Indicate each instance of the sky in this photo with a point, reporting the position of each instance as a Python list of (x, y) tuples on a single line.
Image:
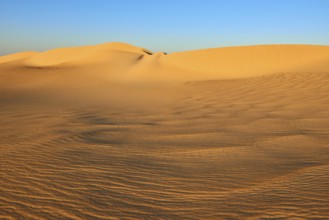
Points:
[(168, 25)]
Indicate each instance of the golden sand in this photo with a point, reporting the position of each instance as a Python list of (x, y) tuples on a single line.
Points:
[(113, 131)]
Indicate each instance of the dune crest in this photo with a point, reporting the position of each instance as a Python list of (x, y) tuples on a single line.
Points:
[(250, 61), (128, 62), (78, 56), (17, 56)]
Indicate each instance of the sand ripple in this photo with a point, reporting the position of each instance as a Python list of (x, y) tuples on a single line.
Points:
[(234, 149)]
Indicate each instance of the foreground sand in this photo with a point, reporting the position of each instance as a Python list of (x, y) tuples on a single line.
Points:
[(250, 148)]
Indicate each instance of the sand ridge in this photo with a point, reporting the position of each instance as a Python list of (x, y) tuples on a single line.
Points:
[(124, 62), (16, 56), (80, 55)]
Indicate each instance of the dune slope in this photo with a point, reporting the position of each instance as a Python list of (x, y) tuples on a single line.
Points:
[(81, 55), (16, 56), (250, 61)]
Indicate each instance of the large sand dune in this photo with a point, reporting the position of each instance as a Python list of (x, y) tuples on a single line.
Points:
[(124, 62), (116, 131)]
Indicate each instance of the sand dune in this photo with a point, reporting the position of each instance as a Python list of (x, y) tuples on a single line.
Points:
[(82, 55), (250, 61), (16, 56), (227, 133), (119, 61)]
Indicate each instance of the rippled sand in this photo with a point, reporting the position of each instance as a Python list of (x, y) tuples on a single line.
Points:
[(253, 148)]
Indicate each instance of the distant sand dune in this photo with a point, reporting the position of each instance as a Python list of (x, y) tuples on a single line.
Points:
[(16, 56), (81, 55), (119, 61), (114, 131), (250, 61)]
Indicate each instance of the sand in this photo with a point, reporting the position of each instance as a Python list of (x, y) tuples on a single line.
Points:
[(114, 131)]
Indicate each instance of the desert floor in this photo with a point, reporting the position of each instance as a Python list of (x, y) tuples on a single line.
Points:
[(252, 148)]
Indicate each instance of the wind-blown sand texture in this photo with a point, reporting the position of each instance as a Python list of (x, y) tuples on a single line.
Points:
[(113, 131)]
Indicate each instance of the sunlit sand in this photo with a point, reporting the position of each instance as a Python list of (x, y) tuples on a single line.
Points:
[(117, 131)]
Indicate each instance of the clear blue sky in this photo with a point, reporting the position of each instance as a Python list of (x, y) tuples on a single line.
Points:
[(161, 25)]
